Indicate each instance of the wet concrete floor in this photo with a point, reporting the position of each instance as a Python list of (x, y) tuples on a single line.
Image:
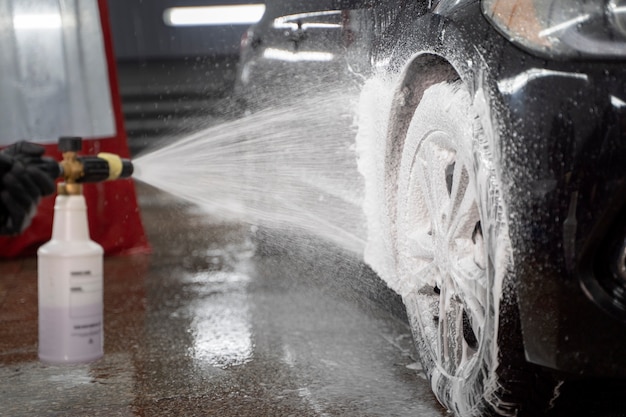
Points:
[(218, 322)]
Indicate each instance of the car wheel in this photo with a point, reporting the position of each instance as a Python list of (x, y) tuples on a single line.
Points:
[(453, 253)]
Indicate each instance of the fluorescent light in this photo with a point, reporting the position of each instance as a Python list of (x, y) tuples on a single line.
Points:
[(282, 55), (37, 21), (240, 14), (308, 21), (565, 25), (618, 102), (282, 24), (514, 84)]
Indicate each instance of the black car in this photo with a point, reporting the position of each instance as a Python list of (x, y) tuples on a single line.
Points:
[(304, 43), (495, 167)]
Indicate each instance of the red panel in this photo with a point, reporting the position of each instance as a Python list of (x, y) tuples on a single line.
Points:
[(114, 219)]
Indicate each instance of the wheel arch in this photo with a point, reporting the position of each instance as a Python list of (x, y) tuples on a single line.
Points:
[(422, 71)]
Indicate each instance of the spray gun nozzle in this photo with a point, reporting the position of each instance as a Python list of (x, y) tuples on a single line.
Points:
[(81, 169)]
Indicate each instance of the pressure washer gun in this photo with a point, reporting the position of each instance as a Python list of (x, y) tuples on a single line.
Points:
[(23, 183), (76, 170)]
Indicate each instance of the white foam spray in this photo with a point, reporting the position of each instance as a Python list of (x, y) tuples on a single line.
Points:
[(290, 167)]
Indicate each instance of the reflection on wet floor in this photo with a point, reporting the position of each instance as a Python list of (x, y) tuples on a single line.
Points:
[(206, 326), (220, 327)]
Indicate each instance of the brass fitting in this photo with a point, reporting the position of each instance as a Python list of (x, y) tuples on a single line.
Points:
[(64, 188), (72, 170)]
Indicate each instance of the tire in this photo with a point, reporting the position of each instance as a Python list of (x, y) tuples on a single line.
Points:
[(452, 252)]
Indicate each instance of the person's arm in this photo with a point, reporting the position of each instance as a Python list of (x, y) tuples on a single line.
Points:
[(23, 181)]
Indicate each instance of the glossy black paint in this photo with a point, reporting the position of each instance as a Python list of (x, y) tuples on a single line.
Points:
[(561, 152), (269, 67)]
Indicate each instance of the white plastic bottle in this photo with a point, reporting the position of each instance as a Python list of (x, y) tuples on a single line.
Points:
[(70, 287)]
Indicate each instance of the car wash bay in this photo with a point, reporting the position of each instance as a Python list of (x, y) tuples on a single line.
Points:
[(218, 321)]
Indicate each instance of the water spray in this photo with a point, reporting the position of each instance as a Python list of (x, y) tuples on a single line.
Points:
[(70, 265)]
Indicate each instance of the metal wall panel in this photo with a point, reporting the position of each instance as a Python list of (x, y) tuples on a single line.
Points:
[(139, 31), (54, 71)]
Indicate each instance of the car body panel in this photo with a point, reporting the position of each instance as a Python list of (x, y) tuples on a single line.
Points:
[(303, 43), (560, 156)]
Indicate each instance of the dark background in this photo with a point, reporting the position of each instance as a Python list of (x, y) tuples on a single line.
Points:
[(173, 80)]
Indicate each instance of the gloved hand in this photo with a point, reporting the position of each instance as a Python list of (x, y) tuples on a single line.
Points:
[(24, 179)]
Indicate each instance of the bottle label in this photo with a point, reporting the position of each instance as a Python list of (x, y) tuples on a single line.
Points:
[(85, 292), (70, 311), (66, 339)]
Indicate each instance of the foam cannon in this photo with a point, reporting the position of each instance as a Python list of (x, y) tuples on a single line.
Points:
[(75, 169), (70, 265)]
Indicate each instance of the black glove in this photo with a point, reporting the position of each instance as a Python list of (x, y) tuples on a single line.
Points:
[(25, 177)]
